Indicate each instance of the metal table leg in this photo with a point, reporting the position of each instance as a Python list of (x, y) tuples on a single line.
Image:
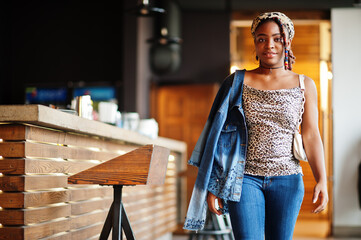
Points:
[(117, 219)]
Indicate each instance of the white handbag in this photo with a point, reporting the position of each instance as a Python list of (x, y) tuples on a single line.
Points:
[(298, 150)]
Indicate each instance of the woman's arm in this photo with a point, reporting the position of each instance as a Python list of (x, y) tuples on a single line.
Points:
[(313, 145)]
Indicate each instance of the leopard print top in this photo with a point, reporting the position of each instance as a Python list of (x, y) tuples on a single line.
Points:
[(271, 118)]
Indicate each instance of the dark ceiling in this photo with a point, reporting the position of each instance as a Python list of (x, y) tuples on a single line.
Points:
[(264, 5)]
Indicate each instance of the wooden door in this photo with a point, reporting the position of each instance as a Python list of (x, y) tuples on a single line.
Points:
[(181, 112)]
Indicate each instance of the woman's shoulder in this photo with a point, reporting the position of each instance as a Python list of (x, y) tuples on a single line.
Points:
[(309, 82), (310, 87)]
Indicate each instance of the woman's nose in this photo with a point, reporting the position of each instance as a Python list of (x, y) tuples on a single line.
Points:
[(270, 43)]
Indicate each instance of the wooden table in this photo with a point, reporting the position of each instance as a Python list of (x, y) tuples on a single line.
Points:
[(41, 147)]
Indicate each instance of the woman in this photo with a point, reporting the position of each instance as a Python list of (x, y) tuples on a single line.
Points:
[(244, 153)]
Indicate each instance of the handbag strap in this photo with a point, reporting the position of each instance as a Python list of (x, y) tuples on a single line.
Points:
[(301, 78)]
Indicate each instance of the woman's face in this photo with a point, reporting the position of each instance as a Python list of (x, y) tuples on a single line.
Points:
[(269, 44)]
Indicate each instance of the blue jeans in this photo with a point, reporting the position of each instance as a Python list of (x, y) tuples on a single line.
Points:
[(268, 208)]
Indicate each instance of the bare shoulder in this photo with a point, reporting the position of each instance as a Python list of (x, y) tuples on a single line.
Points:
[(310, 85), (309, 81)]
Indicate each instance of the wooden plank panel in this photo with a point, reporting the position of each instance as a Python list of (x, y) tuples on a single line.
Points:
[(46, 213), (46, 229), (142, 192), (36, 231), (150, 203), (23, 166), (12, 217), (32, 199), (68, 138), (82, 207), (87, 232), (12, 200), (12, 166), (45, 135), (156, 227), (78, 194), (150, 209), (12, 132), (59, 236), (54, 151), (12, 183), (33, 215), (46, 166), (40, 150), (88, 219), (32, 182), (12, 233), (42, 198), (12, 149)]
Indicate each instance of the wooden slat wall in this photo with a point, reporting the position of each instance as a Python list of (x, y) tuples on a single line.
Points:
[(37, 202)]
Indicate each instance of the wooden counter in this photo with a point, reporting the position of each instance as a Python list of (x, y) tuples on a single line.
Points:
[(41, 147)]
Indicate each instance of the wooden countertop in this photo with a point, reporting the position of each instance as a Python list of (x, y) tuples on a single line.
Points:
[(47, 117)]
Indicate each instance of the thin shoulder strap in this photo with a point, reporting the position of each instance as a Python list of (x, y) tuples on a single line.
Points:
[(301, 77), (302, 86)]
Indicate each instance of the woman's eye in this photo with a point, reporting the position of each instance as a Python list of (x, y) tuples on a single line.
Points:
[(261, 40), (278, 40)]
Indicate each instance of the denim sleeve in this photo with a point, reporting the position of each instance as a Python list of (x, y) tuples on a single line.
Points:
[(199, 148)]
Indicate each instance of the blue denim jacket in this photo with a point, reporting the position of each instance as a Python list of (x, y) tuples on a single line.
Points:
[(220, 152)]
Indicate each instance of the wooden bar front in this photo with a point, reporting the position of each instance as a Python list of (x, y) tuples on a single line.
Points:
[(40, 147)]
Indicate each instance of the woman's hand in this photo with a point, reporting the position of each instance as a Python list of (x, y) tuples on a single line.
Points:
[(211, 200), (320, 193)]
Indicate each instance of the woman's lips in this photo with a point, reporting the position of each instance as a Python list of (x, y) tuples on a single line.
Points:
[(269, 54)]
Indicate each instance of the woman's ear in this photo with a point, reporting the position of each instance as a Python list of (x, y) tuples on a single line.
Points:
[(288, 44)]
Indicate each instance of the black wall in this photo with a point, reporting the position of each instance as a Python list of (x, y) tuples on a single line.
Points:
[(57, 43), (205, 50), (5, 53), (61, 42)]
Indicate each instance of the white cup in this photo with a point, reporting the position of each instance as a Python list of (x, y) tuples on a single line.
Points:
[(148, 127), (130, 120), (108, 112)]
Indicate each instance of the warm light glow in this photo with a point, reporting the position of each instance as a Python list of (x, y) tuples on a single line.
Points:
[(329, 75), (171, 165), (324, 77), (52, 189), (234, 68), (94, 149), (1, 157), (171, 172), (121, 152), (1, 140), (171, 158)]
